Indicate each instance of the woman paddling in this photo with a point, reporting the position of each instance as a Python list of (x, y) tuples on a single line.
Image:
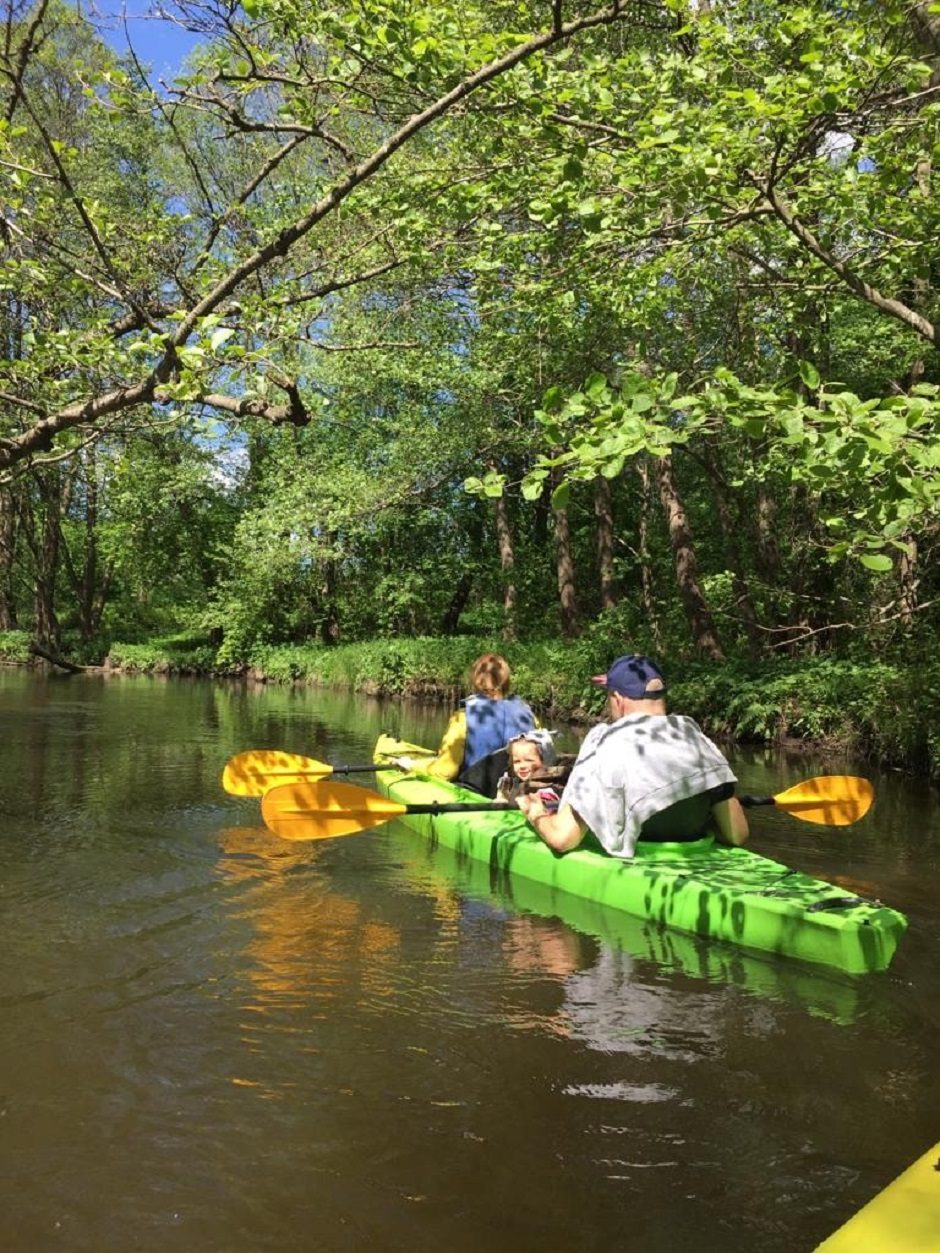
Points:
[(473, 748)]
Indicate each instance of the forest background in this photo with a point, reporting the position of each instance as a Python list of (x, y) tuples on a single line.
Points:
[(388, 332)]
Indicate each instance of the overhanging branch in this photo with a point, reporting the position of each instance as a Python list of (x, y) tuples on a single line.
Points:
[(886, 304)]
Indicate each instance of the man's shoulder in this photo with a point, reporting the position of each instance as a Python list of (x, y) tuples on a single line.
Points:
[(594, 736), (640, 728), (635, 726)]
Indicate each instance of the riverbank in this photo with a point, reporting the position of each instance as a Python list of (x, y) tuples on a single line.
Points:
[(885, 712)]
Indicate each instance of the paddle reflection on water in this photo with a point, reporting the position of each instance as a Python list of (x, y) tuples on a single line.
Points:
[(306, 940)]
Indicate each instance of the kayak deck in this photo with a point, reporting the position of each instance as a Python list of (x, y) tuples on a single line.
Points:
[(904, 1218), (701, 887)]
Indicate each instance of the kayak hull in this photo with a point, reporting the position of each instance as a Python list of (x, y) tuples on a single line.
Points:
[(706, 889)]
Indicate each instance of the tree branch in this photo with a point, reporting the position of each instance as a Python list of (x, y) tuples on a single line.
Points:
[(865, 291), (252, 186), (365, 347), (26, 48), (143, 391)]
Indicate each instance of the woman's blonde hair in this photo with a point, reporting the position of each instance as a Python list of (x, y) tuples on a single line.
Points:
[(489, 675)]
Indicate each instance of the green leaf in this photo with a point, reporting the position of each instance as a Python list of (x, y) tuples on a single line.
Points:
[(561, 495), (810, 375), (879, 562), (595, 386), (220, 336)]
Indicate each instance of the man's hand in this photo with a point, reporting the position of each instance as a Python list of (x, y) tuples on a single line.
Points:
[(561, 831), (531, 805)]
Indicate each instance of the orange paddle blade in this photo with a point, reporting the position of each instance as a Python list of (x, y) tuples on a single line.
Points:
[(832, 800), (322, 811), (252, 773)]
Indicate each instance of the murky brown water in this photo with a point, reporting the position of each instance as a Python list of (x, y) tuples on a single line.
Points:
[(211, 1040)]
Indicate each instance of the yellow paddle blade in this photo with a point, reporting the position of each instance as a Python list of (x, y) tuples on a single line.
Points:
[(322, 811), (253, 772), (832, 800)]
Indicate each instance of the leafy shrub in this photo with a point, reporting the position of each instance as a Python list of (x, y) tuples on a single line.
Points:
[(185, 654), (874, 709), (14, 646)]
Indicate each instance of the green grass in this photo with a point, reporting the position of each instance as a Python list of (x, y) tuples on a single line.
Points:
[(14, 646), (174, 654), (887, 712)]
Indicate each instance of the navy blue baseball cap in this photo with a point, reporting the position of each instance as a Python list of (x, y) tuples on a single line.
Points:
[(630, 676)]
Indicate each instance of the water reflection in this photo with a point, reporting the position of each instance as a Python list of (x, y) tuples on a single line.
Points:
[(216, 1040), (556, 933), (306, 943)]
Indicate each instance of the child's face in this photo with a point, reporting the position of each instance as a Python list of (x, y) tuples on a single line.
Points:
[(526, 759)]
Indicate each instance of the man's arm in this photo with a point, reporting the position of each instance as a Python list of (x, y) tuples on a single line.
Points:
[(731, 821), (561, 831)]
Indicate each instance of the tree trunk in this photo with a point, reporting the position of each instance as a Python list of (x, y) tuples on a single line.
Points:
[(89, 587), (47, 624), (329, 623), (811, 583), (908, 579), (646, 569), (7, 554), (37, 650), (704, 634), (604, 512), (507, 561), (54, 492), (768, 554), (95, 585), (458, 603), (570, 618), (729, 534)]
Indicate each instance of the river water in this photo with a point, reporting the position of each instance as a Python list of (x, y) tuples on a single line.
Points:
[(213, 1040)]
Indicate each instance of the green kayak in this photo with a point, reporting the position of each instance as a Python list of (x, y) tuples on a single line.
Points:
[(701, 887)]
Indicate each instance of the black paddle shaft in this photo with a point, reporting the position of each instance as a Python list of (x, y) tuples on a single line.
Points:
[(469, 807), (752, 802), (749, 802)]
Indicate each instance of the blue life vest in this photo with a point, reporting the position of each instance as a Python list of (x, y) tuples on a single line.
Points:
[(491, 724)]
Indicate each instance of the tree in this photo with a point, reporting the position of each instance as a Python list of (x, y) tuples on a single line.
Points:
[(180, 317)]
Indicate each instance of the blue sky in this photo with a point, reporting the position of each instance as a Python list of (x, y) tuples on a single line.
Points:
[(158, 43)]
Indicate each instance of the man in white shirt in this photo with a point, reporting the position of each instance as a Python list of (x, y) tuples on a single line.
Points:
[(645, 774)]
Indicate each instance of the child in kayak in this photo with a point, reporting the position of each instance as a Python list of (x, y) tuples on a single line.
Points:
[(529, 753)]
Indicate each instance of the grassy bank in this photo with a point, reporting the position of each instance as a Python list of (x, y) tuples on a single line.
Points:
[(886, 712), (14, 647), (889, 713)]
